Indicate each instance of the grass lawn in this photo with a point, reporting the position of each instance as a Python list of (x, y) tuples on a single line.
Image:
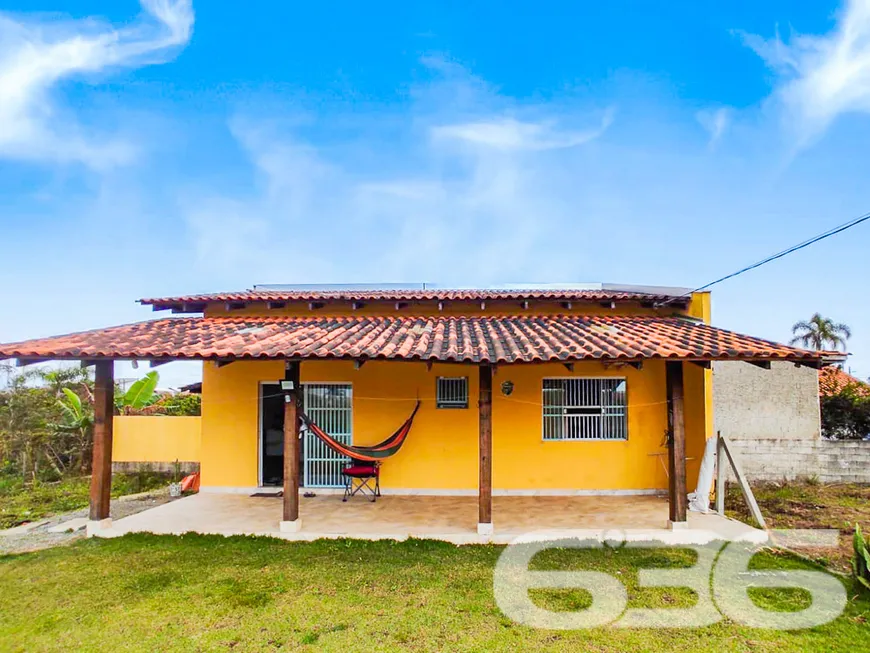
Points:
[(20, 503), (144, 592), (803, 504)]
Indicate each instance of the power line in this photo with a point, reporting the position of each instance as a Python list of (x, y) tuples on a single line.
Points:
[(806, 243)]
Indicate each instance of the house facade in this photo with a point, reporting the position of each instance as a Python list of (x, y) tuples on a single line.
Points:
[(533, 451), (597, 390)]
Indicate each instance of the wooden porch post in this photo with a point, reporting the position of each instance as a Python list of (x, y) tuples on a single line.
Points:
[(484, 500), (101, 468), (677, 498), (290, 522)]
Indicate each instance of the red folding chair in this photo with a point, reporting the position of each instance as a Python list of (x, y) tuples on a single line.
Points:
[(362, 477)]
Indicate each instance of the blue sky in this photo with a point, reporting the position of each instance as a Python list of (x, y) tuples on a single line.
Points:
[(163, 147)]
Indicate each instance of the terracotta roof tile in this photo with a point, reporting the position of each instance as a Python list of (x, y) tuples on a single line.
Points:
[(411, 295), (443, 338), (832, 380)]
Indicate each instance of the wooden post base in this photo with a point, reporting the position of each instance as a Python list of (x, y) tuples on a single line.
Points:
[(98, 526), (290, 526)]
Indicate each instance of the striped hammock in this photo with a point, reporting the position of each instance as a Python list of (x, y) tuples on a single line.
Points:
[(374, 453)]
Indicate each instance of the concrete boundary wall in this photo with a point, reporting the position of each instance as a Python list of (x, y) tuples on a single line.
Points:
[(831, 461), (156, 439), (771, 417)]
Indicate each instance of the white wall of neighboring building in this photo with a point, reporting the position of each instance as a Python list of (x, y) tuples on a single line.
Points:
[(772, 419), (753, 403)]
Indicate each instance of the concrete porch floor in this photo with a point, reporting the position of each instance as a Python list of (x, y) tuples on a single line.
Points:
[(449, 518)]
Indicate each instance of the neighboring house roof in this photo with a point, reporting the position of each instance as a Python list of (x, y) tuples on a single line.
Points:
[(833, 380), (493, 339), (196, 303)]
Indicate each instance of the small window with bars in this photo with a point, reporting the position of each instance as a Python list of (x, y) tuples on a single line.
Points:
[(585, 409), (451, 392)]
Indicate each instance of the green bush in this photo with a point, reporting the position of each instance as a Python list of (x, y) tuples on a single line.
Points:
[(861, 558), (845, 416), (180, 405)]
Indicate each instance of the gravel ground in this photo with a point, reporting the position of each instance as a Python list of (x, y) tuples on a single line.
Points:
[(40, 538)]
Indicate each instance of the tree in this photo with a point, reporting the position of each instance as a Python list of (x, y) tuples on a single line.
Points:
[(26, 413), (65, 377), (820, 333), (845, 415)]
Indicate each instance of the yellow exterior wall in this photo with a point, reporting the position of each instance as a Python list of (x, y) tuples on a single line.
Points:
[(522, 460), (441, 451), (230, 421), (156, 439)]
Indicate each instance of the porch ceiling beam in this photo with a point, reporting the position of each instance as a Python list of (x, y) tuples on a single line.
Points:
[(765, 365), (677, 498), (638, 365), (23, 362), (189, 308)]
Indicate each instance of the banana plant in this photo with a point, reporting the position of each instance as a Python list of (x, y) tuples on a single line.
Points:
[(139, 395), (78, 423), (77, 416), (861, 559)]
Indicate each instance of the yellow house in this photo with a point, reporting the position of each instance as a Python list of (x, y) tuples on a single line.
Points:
[(565, 391)]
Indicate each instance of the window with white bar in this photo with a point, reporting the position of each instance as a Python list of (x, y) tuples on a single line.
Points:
[(451, 392), (585, 409)]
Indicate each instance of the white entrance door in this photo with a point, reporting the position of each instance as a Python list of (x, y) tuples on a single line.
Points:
[(330, 406)]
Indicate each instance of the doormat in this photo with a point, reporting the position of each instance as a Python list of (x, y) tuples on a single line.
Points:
[(268, 494)]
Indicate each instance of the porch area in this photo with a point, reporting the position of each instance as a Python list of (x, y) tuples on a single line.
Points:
[(448, 518)]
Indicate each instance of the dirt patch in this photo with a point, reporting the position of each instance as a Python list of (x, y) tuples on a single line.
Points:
[(41, 538), (802, 504)]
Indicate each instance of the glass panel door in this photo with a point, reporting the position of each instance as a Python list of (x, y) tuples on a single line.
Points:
[(330, 405)]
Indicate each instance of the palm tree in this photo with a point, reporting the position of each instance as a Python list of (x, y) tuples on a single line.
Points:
[(820, 332)]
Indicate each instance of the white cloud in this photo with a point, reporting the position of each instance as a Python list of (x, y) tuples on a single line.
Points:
[(36, 55), (715, 122), (821, 77), (511, 134)]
